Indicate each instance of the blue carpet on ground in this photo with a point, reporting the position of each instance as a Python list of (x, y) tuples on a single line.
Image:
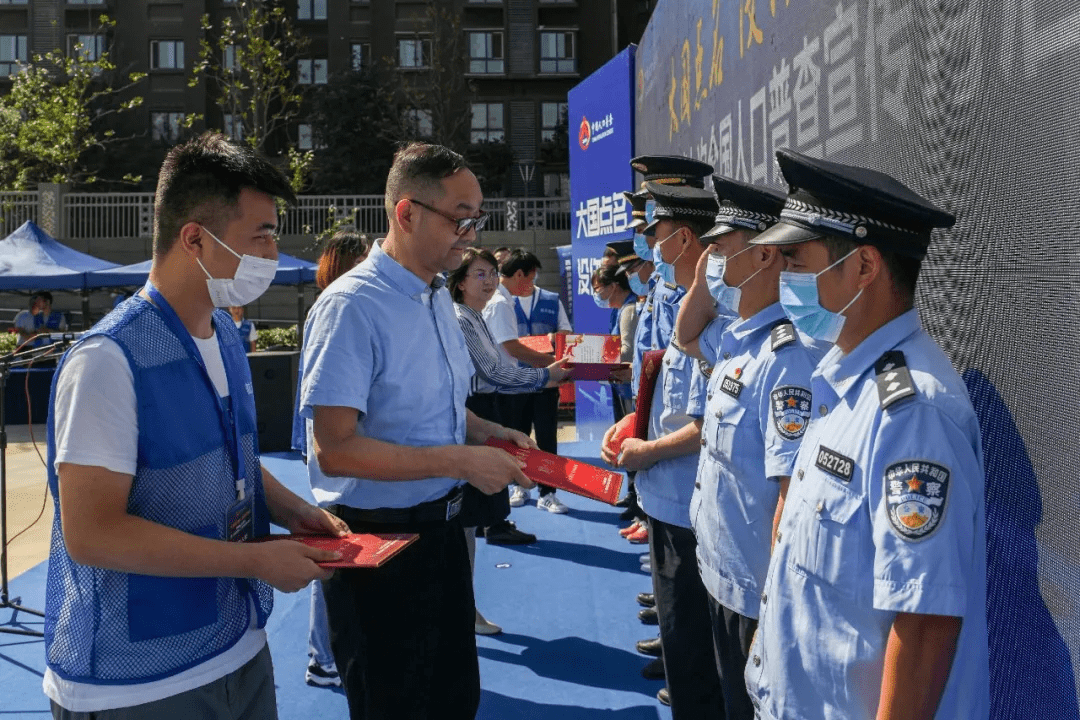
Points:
[(566, 606)]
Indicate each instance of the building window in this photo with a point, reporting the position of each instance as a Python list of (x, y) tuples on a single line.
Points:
[(557, 52), (487, 123), (228, 61), (306, 137), (486, 52), (12, 52), (86, 47), (551, 115), (13, 2), (311, 10), (312, 71), (414, 53), (85, 2), (166, 126), (232, 127), (418, 121), (361, 52), (167, 54)]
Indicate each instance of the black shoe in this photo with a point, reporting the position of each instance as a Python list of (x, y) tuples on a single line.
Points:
[(646, 616), (479, 531), (646, 600), (506, 533), (633, 510), (625, 502), (664, 696), (654, 670), (649, 647)]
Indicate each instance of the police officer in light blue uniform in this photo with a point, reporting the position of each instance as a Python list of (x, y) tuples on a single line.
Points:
[(757, 408), (875, 602), (666, 463)]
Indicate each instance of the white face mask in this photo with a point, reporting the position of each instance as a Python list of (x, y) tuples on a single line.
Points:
[(252, 277)]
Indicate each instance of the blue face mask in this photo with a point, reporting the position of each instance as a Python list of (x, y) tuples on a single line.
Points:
[(802, 304), (636, 285), (641, 247), (666, 271), (727, 297), (600, 303)]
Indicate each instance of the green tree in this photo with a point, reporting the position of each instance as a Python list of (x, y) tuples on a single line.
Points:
[(250, 62), (58, 111)]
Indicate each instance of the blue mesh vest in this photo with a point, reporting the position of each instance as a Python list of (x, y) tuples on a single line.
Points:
[(544, 318), (107, 627)]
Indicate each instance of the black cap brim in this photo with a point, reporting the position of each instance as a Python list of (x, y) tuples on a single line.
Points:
[(650, 229), (717, 230), (783, 233)]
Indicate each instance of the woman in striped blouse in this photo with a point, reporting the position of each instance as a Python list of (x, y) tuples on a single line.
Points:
[(471, 285)]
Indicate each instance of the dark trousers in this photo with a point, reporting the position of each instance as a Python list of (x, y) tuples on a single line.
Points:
[(682, 606), (537, 411), (732, 635), (402, 635)]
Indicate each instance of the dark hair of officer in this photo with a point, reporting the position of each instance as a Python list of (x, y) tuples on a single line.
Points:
[(457, 276), (200, 181), (522, 260), (696, 226), (417, 170), (339, 254), (609, 275), (903, 270)]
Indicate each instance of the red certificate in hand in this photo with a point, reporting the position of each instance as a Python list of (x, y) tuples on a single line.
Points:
[(590, 357), (563, 473), (623, 429), (358, 550), (539, 343)]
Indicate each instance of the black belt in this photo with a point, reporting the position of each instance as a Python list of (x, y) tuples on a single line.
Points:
[(442, 510)]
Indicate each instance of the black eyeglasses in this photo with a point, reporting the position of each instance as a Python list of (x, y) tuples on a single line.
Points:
[(464, 225)]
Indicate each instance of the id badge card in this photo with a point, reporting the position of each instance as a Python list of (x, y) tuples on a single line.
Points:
[(239, 521)]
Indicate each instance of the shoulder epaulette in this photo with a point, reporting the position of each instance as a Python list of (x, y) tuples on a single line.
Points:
[(893, 379), (669, 286), (783, 333)]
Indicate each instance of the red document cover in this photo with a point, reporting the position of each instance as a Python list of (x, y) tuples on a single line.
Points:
[(651, 363), (358, 550), (539, 343), (591, 357), (563, 473), (623, 429)]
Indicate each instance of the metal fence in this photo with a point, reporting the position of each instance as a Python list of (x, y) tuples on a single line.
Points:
[(16, 208), (108, 215)]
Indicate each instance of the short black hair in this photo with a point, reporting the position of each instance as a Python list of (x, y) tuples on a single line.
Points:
[(698, 226), (201, 180), (457, 275), (498, 250), (520, 259), (903, 269), (418, 169), (610, 275)]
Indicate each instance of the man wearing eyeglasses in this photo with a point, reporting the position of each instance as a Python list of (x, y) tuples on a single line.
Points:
[(386, 374)]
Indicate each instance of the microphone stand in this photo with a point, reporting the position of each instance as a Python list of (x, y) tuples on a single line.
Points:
[(25, 358)]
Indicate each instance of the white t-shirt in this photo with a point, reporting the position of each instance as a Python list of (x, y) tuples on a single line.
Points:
[(97, 424), (501, 318)]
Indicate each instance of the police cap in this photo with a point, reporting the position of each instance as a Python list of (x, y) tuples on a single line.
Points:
[(679, 203), (637, 202), (671, 170), (862, 205), (743, 206)]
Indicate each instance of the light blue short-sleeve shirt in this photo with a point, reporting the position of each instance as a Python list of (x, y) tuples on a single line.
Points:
[(664, 489), (758, 407), (382, 341), (884, 514)]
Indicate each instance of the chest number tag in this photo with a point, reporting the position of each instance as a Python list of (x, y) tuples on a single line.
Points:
[(835, 464), (731, 386)]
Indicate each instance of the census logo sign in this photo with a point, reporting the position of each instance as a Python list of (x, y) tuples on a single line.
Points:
[(594, 132), (584, 134)]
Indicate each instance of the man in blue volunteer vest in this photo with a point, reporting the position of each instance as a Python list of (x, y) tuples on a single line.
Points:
[(518, 309), (386, 374), (666, 463), (874, 605), (756, 411), (156, 608), (39, 319)]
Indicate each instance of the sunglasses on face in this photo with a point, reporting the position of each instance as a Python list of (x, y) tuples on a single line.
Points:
[(464, 225), (485, 275)]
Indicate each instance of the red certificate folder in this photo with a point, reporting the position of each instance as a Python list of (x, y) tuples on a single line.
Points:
[(623, 429), (539, 343), (651, 362), (590, 357), (358, 550), (566, 474)]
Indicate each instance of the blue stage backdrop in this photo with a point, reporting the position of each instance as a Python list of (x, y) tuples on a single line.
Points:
[(601, 116), (973, 103)]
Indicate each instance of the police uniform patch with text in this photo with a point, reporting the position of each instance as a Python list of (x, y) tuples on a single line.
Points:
[(915, 495), (731, 386), (791, 410), (835, 464)]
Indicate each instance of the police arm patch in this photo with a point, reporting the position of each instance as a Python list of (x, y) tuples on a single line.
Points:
[(916, 492), (790, 410)]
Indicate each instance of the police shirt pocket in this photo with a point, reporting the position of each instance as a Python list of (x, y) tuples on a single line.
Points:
[(724, 429), (166, 606), (676, 380), (830, 519)]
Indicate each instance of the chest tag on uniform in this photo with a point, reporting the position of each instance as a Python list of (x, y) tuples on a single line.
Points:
[(705, 368), (783, 334), (893, 379), (915, 495), (835, 464), (790, 411), (731, 386)]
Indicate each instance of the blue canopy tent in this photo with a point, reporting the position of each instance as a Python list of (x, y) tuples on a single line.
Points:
[(30, 259)]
